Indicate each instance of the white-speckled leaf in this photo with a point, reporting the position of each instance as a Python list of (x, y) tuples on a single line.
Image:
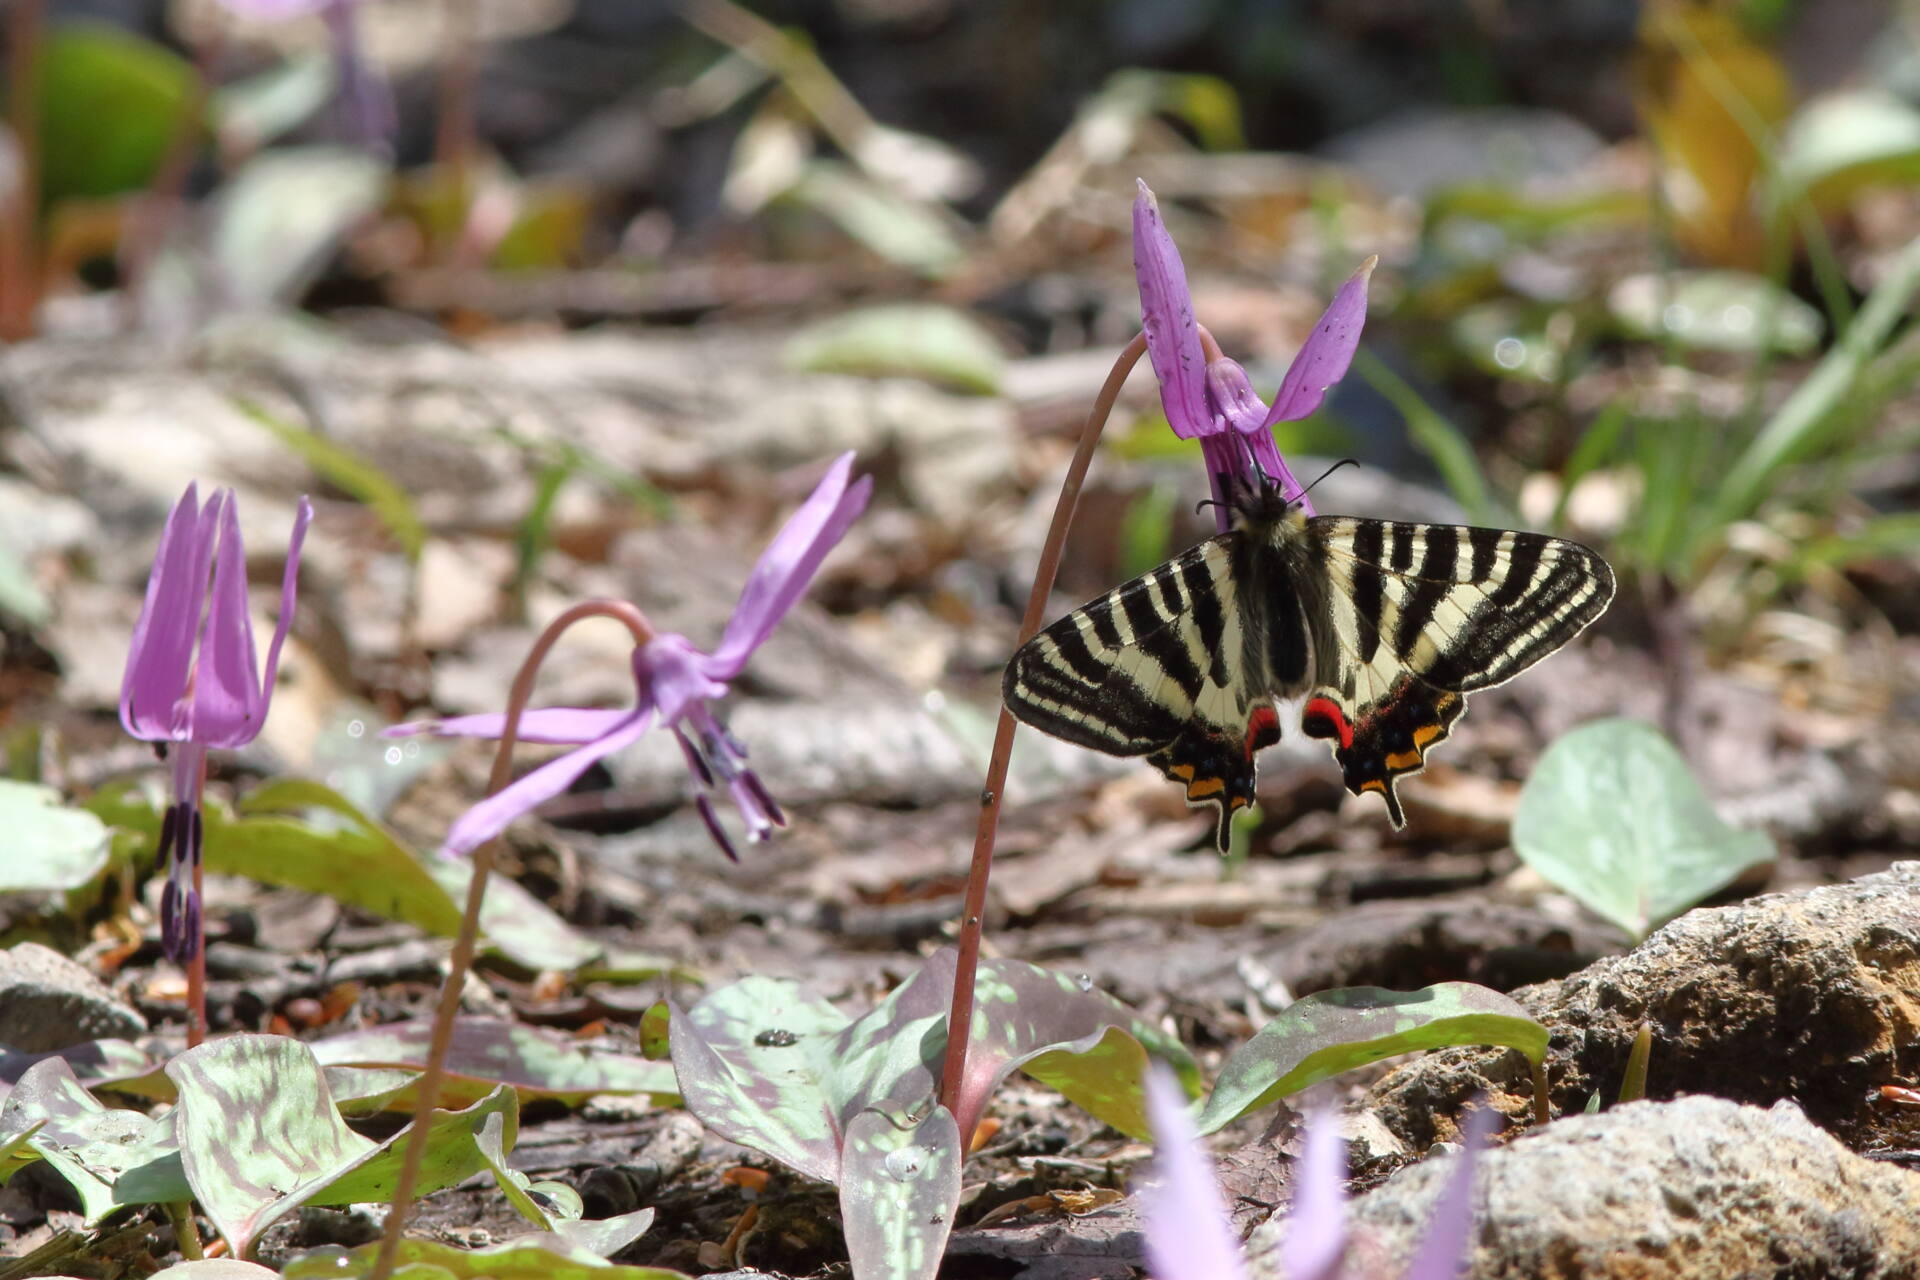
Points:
[(110, 1157), (899, 1186)]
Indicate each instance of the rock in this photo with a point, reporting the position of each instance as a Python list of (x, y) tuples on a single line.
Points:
[(48, 1002), (1695, 1187), (1811, 996)]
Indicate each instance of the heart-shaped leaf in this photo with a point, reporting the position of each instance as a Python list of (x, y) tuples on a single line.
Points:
[(49, 846), (1334, 1031), (537, 1063), (1613, 816)]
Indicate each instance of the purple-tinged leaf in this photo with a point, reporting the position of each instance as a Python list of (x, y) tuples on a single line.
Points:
[(899, 1186), (95, 1063), (754, 1061), (539, 1255), (1335, 1031), (93, 1147), (535, 1062)]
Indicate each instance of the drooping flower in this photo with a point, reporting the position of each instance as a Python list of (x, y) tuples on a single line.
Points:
[(676, 683), (1213, 401), (193, 681), (1189, 1235)]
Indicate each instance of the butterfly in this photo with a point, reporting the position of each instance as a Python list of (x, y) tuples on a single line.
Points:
[(1383, 626)]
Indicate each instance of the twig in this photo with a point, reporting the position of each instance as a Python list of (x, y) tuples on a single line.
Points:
[(960, 1015), (461, 962), (19, 270)]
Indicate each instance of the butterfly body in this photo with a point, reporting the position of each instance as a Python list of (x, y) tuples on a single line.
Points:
[(1381, 626)]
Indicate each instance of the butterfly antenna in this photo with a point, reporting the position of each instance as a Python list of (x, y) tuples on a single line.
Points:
[(1344, 462)]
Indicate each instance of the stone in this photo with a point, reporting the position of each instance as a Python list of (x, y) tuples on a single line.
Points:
[(1697, 1187), (48, 1002)]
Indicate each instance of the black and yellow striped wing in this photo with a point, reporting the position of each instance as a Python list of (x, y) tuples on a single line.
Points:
[(1415, 616), (1159, 667)]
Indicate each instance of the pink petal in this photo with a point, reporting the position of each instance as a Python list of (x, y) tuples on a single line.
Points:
[(1231, 395), (1323, 360), (161, 652), (227, 706), (676, 675), (1189, 1236), (1443, 1253), (565, 726), (787, 566), (1166, 315), (289, 588), (1316, 1239), (490, 817)]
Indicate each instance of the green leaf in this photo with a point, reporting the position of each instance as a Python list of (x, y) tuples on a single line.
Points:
[(259, 1136), (537, 1063), (936, 343), (1613, 816), (252, 112), (342, 467), (555, 1206), (1436, 437), (1715, 311), (538, 1256), (1844, 141), (899, 1184), (1508, 341), (110, 106), (20, 595), (281, 217), (905, 232), (1327, 1033), (514, 922), (49, 846)]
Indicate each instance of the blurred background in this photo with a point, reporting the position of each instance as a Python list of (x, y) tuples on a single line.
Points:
[(545, 298)]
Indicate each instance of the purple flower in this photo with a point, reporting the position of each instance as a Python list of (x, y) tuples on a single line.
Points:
[(675, 681), (193, 681), (1190, 1237), (1214, 402)]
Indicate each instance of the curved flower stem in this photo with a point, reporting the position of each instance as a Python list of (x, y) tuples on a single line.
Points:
[(197, 966), (461, 962), (960, 1016)]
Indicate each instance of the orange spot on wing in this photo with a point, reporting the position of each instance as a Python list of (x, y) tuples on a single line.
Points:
[(1205, 787), (1425, 734), (1402, 760), (1184, 772)]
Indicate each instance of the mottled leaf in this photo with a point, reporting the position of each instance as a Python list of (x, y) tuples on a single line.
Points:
[(93, 1147), (1613, 816), (257, 1128), (95, 1064), (899, 1186), (535, 1062), (260, 1136), (514, 923), (555, 1206), (537, 1256), (16, 1152), (1330, 1032), (279, 219), (49, 846), (753, 1061)]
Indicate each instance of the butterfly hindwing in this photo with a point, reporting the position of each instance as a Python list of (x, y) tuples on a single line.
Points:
[(1158, 667), (1418, 615)]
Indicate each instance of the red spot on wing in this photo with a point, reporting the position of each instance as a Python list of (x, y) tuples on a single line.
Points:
[(1263, 728), (1322, 718)]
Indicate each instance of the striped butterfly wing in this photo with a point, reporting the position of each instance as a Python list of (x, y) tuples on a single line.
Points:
[(1159, 667), (1418, 615)]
